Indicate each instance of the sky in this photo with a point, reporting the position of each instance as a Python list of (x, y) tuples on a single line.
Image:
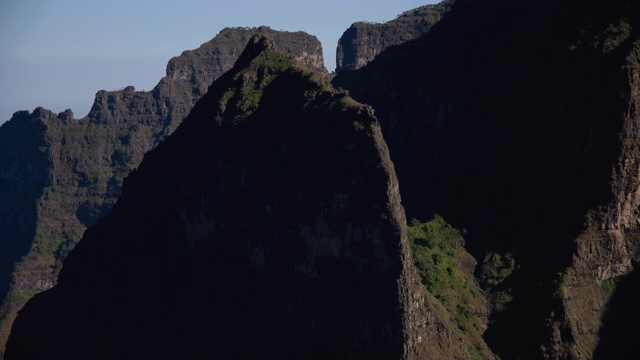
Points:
[(58, 53)]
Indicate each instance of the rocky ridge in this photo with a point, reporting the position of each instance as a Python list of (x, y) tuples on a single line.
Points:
[(59, 175), (361, 42), (273, 212)]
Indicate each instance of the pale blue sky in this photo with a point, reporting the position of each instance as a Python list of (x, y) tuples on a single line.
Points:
[(59, 53)]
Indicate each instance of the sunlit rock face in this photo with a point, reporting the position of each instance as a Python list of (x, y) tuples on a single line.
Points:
[(362, 41)]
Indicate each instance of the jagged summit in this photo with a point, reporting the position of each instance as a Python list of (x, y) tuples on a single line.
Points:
[(363, 41), (256, 45), (223, 51)]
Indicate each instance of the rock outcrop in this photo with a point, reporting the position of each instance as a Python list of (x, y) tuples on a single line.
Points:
[(361, 42), (518, 122), (599, 314), (267, 225), (59, 175)]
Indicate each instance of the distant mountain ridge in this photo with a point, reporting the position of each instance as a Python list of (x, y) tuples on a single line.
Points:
[(362, 41), (59, 175)]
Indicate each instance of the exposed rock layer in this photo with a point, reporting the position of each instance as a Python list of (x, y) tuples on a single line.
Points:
[(599, 313), (59, 175), (518, 122), (268, 225), (361, 42)]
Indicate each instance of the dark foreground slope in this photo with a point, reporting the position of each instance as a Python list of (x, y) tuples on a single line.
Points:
[(268, 225), (59, 175), (518, 121), (362, 41)]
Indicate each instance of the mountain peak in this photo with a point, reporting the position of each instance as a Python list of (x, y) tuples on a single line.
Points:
[(256, 45)]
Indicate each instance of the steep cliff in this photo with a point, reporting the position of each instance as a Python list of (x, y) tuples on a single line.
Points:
[(268, 225), (518, 122), (361, 42), (59, 175), (600, 290)]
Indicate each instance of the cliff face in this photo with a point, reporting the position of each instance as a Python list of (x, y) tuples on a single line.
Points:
[(601, 289), (268, 225), (23, 176), (518, 122), (59, 175), (189, 75), (361, 42)]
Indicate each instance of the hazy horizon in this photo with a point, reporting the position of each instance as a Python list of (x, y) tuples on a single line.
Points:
[(58, 53)]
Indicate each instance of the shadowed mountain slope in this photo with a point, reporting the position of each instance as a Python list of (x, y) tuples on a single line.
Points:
[(518, 122), (59, 175), (268, 225)]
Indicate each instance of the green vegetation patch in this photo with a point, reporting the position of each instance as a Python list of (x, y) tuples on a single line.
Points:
[(243, 96), (437, 251), (496, 268), (611, 284), (615, 35)]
